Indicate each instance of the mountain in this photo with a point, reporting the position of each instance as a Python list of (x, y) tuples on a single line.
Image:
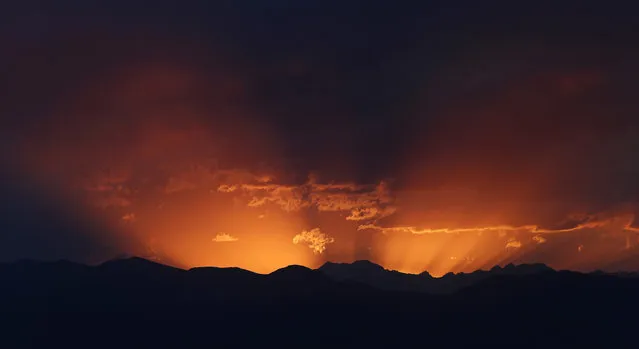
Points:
[(374, 275), (134, 303)]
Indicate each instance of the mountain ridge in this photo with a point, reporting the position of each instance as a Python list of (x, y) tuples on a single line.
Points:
[(362, 272), (161, 306)]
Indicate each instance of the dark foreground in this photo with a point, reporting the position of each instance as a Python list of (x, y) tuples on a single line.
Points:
[(135, 303)]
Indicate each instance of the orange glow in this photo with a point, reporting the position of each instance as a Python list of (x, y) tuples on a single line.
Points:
[(196, 230), (443, 250), (182, 183)]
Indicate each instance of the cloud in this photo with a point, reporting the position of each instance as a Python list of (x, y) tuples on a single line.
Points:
[(111, 201), (108, 189), (423, 231), (363, 202), (224, 237), (315, 239), (37, 224), (177, 184), (110, 180), (513, 244), (288, 198), (209, 177), (632, 225), (264, 178), (129, 217), (225, 188), (590, 222), (121, 189), (369, 213), (539, 239)]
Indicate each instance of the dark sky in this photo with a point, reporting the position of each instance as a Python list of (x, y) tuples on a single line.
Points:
[(518, 102)]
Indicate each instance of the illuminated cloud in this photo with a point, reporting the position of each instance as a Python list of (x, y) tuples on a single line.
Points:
[(366, 203), (224, 188), (422, 231), (288, 198), (315, 239), (263, 178), (210, 177), (363, 202), (363, 214), (588, 223), (129, 217), (539, 239), (224, 237), (513, 244), (580, 248), (631, 226)]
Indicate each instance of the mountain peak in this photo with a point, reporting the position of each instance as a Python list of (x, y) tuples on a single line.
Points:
[(134, 264), (512, 268), (292, 269), (367, 264), (298, 276), (425, 273), (129, 260), (361, 264)]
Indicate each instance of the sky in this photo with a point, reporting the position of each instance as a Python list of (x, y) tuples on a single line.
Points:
[(445, 136)]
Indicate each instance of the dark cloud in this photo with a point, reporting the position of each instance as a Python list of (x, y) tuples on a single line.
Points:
[(41, 224)]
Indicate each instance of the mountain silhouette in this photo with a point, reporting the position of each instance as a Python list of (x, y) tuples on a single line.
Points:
[(133, 302), (371, 274)]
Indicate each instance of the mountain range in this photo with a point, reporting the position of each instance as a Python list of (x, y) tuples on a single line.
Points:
[(133, 302)]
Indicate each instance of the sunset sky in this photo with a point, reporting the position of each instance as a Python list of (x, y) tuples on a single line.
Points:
[(444, 136)]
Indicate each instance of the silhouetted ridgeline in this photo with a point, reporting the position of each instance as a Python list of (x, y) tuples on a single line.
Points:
[(137, 303)]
